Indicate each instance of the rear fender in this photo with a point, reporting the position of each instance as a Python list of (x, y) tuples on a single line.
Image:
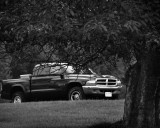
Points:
[(16, 88)]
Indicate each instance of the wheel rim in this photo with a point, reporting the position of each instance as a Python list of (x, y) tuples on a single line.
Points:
[(17, 99), (75, 95)]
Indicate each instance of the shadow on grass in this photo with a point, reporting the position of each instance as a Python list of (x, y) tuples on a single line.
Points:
[(118, 124)]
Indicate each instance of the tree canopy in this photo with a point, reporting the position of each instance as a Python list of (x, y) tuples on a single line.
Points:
[(63, 30)]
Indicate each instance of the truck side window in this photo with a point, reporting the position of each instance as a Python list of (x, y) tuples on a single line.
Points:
[(41, 70), (57, 70)]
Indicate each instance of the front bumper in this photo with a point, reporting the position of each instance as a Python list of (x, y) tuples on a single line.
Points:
[(97, 90)]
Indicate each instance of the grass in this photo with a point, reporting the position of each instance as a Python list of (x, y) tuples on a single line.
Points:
[(61, 114)]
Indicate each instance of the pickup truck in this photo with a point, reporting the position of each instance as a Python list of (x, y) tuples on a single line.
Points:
[(56, 80)]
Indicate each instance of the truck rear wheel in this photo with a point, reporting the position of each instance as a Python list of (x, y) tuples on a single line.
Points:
[(18, 97), (75, 93)]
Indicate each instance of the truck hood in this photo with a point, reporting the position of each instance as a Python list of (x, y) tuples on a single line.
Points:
[(80, 76)]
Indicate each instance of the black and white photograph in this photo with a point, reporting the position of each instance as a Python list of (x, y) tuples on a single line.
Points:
[(79, 63)]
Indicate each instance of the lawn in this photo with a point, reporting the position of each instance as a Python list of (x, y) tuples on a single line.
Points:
[(61, 114)]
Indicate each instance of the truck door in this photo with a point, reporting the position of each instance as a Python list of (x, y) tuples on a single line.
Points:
[(41, 87), (44, 80)]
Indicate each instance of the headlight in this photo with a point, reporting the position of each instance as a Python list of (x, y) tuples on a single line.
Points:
[(118, 82), (91, 83)]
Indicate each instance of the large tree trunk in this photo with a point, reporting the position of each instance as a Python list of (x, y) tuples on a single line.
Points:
[(142, 104)]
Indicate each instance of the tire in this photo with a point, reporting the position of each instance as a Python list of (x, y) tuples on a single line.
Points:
[(75, 93), (18, 97)]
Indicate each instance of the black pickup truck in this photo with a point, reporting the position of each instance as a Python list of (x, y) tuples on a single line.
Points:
[(50, 81)]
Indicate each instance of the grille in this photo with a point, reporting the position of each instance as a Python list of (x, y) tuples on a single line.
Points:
[(111, 80), (106, 81)]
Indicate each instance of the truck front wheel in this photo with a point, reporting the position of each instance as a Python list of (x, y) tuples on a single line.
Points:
[(76, 93), (18, 97)]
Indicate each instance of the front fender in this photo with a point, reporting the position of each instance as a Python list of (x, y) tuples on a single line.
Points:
[(20, 86), (79, 82)]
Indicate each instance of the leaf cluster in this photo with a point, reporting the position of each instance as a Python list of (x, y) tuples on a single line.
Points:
[(78, 31)]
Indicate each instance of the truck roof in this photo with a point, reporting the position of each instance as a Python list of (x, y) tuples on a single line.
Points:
[(50, 64)]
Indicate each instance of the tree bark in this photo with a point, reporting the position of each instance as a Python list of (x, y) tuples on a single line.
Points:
[(142, 103)]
